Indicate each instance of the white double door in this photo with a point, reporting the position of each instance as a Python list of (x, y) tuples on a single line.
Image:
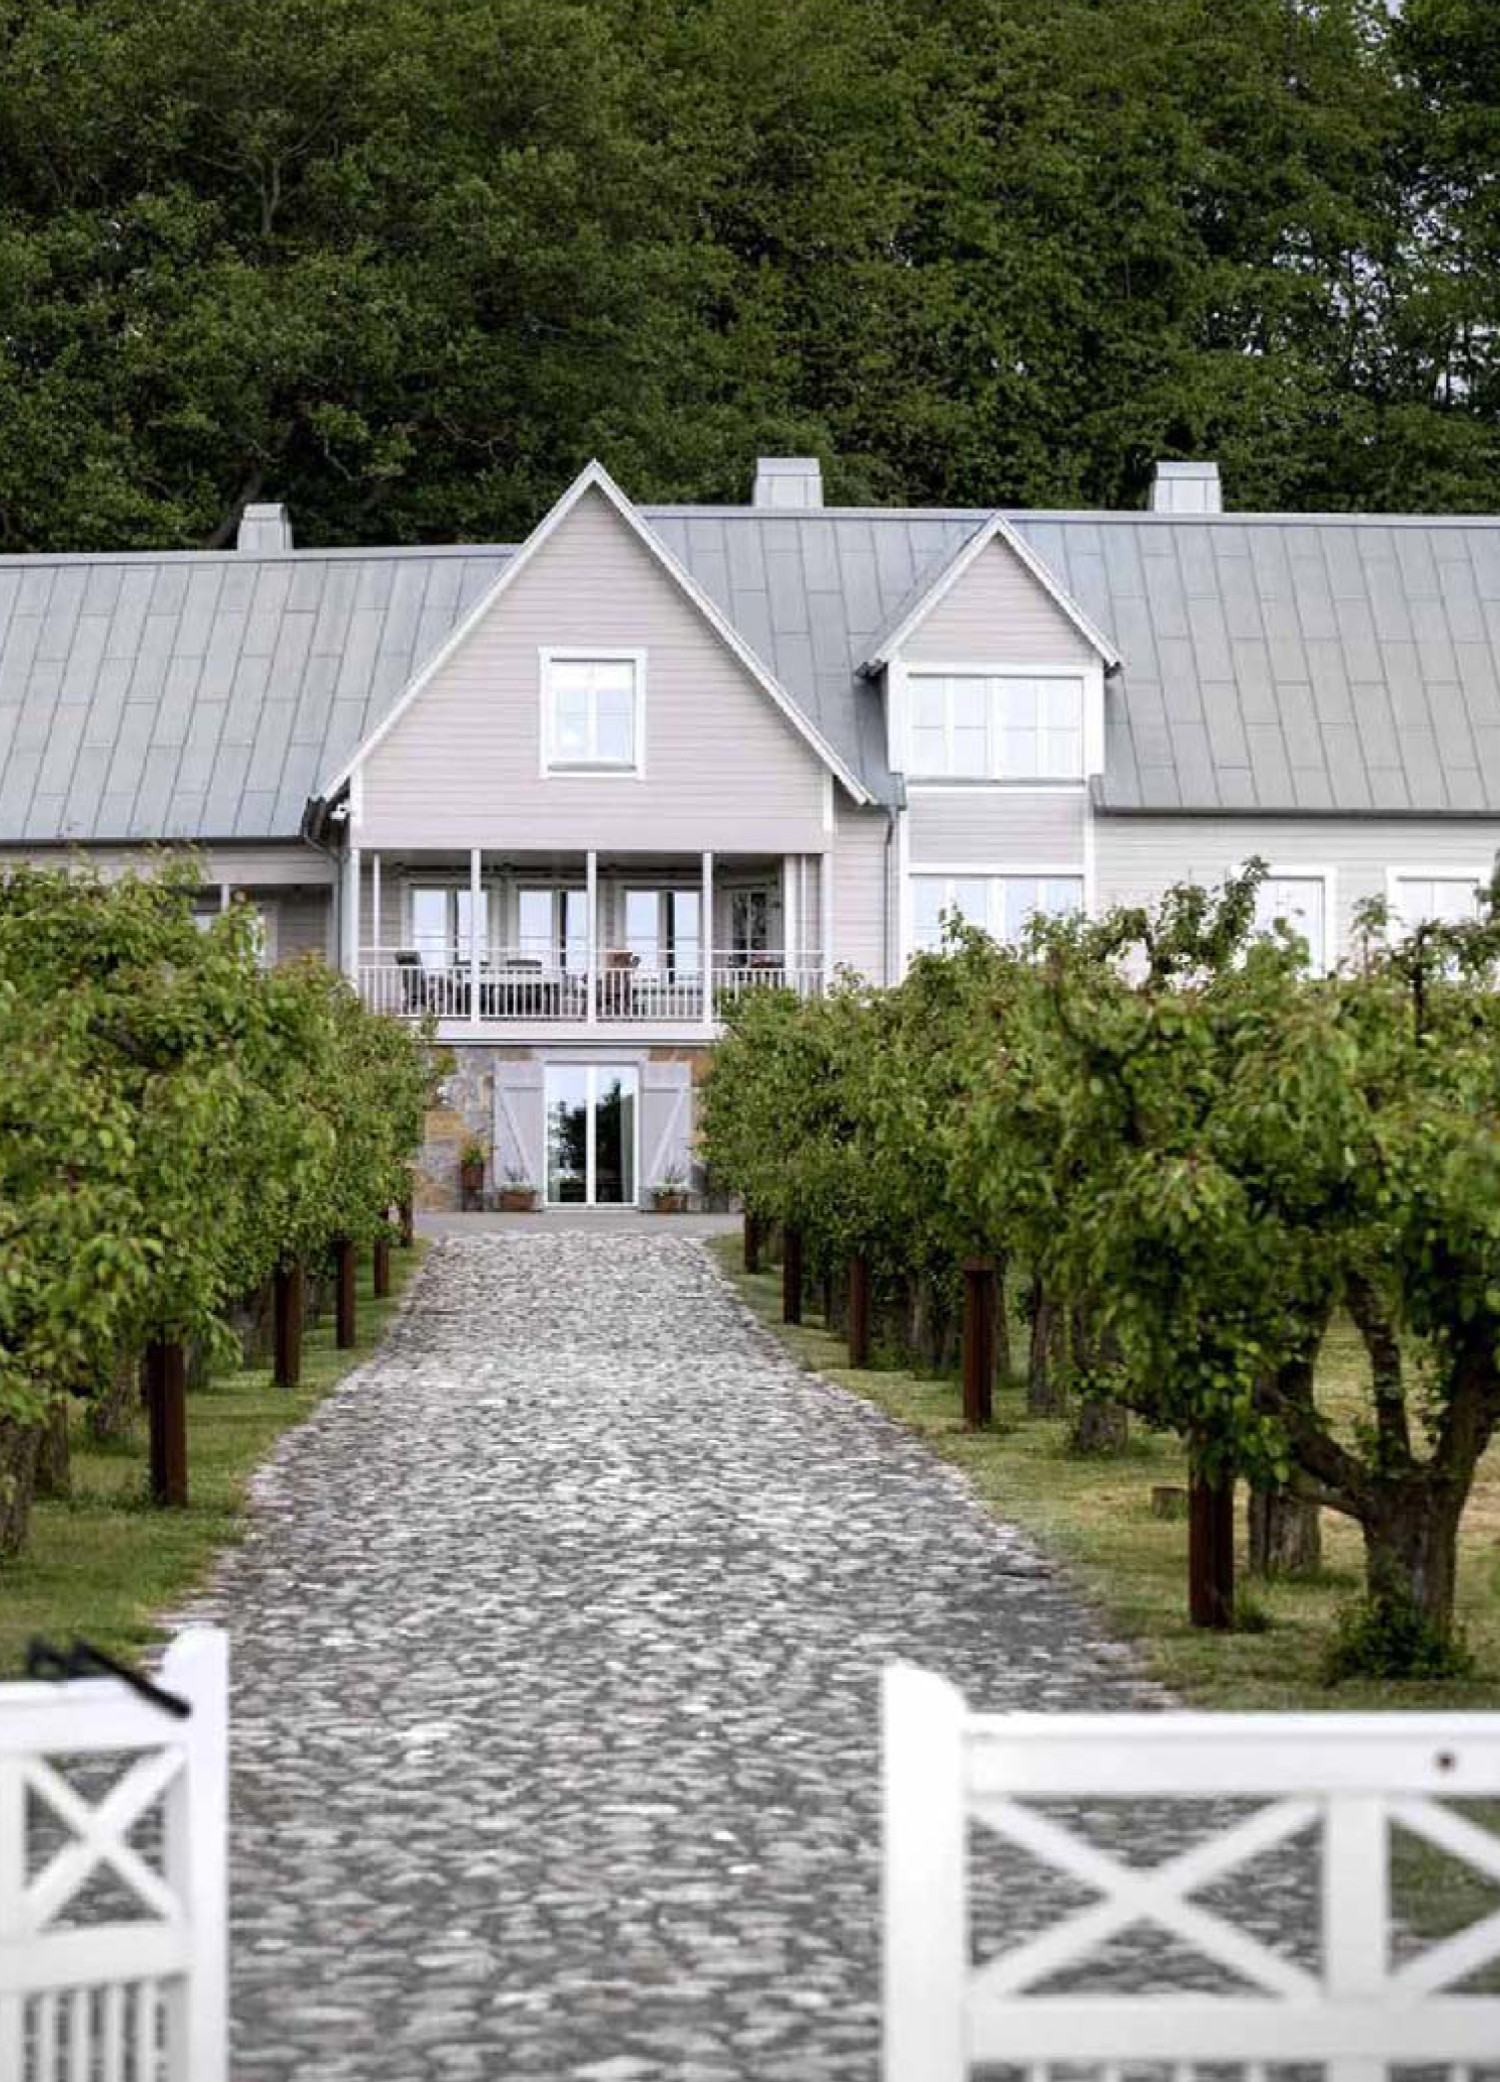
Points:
[(593, 1115)]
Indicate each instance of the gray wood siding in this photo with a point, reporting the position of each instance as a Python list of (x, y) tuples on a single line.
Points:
[(999, 827), (1138, 857), (997, 613), (302, 922), (724, 768), (859, 891)]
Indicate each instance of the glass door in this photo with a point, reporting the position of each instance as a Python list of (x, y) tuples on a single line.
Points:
[(592, 1130)]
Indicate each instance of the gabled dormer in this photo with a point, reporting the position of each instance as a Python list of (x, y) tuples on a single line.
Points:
[(994, 676)]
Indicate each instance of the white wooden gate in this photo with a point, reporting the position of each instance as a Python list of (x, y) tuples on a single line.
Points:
[(1349, 1776), (113, 1882)]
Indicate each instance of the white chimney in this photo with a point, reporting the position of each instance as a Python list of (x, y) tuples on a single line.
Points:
[(1186, 488), (264, 531), (791, 482)]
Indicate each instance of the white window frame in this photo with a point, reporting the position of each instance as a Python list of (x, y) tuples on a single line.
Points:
[(595, 1070), (452, 882), (898, 696), (1456, 872), (980, 871), (1300, 871), (549, 655)]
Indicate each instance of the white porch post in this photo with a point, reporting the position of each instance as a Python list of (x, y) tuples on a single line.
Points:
[(224, 895), (591, 927), (789, 920), (350, 920), (476, 892), (825, 903), (376, 939), (708, 938)]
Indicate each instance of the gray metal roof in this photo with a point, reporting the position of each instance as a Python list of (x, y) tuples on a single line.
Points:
[(1284, 664), (1272, 663)]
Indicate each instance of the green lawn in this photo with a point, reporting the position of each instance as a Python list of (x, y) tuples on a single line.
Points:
[(1094, 1516), (105, 1564)]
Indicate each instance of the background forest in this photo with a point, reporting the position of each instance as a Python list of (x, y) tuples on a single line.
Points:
[(407, 263)]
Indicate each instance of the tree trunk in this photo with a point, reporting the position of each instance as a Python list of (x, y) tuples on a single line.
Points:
[(1286, 1533), (791, 1275), (1411, 1548), (380, 1268), (1211, 1552), (166, 1404), (980, 1309), (18, 1455), (930, 1326), (1099, 1428), (1046, 1394), (54, 1475), (345, 1332), (835, 1306), (287, 1289), (111, 1409)]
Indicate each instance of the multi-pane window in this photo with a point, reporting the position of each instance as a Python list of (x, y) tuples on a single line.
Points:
[(1299, 902), (591, 712), (663, 930), (442, 924), (974, 727), (1001, 905), (749, 922), (553, 927), (1434, 899)]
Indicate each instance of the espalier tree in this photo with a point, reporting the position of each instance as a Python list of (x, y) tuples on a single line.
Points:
[(1204, 1152), (179, 1124)]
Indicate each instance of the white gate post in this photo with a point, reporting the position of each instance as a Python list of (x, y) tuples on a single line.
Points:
[(925, 1825), (197, 1847), (12, 1918), (1356, 1888)]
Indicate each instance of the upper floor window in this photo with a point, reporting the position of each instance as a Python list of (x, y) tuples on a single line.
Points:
[(1001, 905), (991, 726), (1300, 902), (1433, 899), (592, 712)]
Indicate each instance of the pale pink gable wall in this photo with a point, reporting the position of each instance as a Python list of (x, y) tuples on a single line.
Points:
[(997, 614), (725, 769)]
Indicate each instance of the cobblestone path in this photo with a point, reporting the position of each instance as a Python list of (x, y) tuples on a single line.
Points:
[(556, 1648)]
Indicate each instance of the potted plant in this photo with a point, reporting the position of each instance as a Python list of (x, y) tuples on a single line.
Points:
[(517, 1194), (471, 1162), (670, 1194)]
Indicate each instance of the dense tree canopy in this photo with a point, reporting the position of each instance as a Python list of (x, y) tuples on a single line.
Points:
[(407, 265)]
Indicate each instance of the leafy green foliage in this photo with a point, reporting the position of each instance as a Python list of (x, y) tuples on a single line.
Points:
[(408, 265), (1390, 1636), (1201, 1151), (175, 1122)]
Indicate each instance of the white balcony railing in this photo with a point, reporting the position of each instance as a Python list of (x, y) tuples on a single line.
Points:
[(520, 986)]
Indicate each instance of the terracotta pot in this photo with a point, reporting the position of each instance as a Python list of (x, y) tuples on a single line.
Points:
[(669, 1203), (517, 1199)]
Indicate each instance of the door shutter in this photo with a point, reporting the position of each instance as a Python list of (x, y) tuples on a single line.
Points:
[(520, 1130), (666, 1122)]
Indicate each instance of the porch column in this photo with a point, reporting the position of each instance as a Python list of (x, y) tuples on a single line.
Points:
[(591, 927), (376, 941), (225, 891), (707, 924), (350, 918), (476, 896), (790, 924), (825, 907)]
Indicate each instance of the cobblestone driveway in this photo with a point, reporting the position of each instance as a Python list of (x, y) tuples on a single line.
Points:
[(556, 1653)]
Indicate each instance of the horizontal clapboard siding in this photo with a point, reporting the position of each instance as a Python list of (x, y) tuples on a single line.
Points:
[(724, 768)]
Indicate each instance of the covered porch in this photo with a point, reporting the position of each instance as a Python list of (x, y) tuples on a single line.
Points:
[(570, 942)]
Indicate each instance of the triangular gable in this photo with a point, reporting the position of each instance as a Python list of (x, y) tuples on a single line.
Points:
[(919, 604), (597, 478)]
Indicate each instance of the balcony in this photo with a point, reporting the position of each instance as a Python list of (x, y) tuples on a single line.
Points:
[(562, 989)]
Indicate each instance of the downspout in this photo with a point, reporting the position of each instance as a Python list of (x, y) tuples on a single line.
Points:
[(893, 811), (317, 818)]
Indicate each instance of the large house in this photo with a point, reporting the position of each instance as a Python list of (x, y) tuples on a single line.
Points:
[(573, 797)]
